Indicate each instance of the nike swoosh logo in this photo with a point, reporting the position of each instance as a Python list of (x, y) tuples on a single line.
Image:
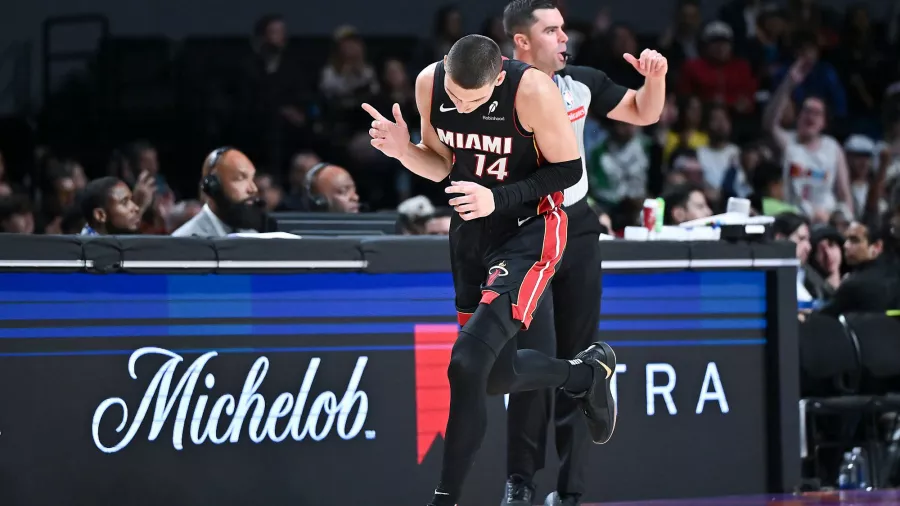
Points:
[(448, 109), (524, 221), (608, 370)]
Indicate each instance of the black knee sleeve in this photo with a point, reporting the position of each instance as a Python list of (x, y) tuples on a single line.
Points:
[(490, 330), (493, 323), (470, 361)]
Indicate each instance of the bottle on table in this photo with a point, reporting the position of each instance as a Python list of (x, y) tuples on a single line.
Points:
[(863, 481), (848, 477)]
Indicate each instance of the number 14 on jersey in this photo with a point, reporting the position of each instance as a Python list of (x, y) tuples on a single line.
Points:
[(496, 169)]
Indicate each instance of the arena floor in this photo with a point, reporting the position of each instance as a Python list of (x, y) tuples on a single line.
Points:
[(881, 497)]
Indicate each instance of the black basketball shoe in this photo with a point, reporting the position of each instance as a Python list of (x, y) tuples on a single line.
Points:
[(519, 492), (598, 403)]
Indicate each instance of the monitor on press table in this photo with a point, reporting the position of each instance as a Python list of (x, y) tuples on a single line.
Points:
[(299, 223)]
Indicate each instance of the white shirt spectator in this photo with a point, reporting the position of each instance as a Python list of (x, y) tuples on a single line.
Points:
[(811, 173), (616, 172), (717, 161)]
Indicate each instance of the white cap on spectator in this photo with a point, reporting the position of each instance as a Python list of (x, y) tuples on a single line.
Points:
[(859, 144), (717, 30), (416, 207)]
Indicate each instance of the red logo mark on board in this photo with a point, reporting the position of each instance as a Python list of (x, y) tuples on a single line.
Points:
[(433, 344)]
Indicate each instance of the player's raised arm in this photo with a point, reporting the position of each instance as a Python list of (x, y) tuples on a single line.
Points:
[(541, 110), (430, 159)]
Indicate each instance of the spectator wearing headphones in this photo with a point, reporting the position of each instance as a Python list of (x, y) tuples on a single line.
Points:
[(330, 188), (233, 203)]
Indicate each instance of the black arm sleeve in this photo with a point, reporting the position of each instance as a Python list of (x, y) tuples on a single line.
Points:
[(548, 179), (605, 93)]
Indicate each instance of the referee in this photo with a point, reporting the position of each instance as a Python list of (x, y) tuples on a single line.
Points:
[(536, 28)]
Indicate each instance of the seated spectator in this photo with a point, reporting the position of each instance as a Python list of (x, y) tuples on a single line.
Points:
[(618, 167), (302, 162), (863, 245), (16, 215), (107, 208), (823, 272), (719, 76), (270, 191), (332, 189), (233, 203), (874, 285), (768, 191), (685, 202), (418, 216), (795, 228), (59, 193)]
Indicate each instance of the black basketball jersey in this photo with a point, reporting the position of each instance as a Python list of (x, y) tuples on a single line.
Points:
[(490, 146)]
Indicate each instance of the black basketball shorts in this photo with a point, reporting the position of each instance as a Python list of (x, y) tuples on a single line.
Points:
[(498, 256)]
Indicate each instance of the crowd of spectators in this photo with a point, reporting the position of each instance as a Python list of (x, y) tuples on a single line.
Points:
[(792, 105)]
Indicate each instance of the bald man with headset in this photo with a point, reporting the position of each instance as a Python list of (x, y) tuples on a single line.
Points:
[(330, 188), (233, 203)]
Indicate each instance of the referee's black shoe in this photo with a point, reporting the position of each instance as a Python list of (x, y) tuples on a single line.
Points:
[(519, 492), (598, 403)]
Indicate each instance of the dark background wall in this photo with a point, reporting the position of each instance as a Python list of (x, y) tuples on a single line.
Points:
[(20, 21)]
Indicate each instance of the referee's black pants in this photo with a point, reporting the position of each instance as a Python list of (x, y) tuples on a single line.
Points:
[(576, 290)]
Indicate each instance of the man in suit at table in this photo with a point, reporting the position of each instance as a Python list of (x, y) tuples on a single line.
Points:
[(233, 203)]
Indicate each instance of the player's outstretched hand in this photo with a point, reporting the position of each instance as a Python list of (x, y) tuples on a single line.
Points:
[(650, 64), (389, 137), (476, 201)]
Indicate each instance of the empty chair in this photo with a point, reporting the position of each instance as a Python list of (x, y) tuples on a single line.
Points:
[(878, 338), (830, 408)]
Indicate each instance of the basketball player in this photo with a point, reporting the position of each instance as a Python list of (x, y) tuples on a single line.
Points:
[(500, 129), (536, 28)]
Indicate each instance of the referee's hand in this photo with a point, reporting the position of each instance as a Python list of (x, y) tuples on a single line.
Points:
[(475, 200)]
